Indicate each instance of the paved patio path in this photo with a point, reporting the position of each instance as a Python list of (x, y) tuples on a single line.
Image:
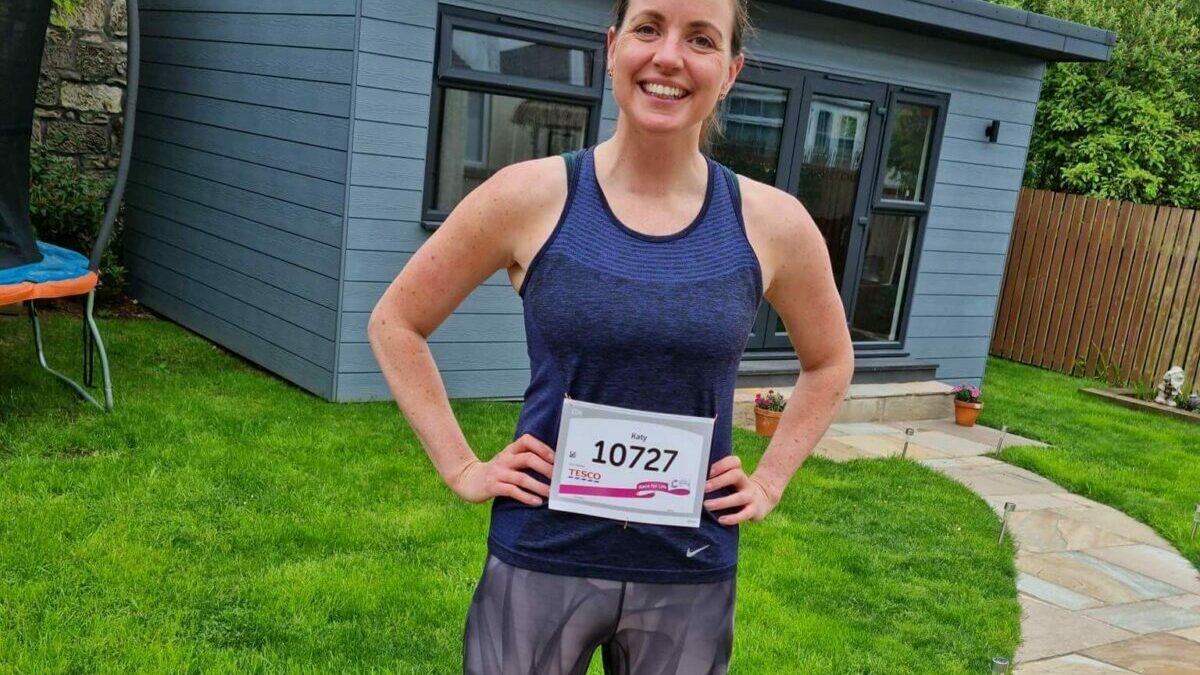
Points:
[(1100, 592)]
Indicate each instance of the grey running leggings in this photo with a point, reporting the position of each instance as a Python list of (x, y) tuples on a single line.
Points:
[(523, 622)]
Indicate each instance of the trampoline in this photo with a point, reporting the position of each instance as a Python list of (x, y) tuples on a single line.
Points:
[(32, 270)]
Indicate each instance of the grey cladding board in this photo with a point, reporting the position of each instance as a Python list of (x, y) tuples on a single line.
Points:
[(357, 357), (277, 92), (396, 39), (288, 30), (304, 344), (284, 304), (321, 130), (283, 215), (461, 326), (459, 384), (283, 275), (362, 296), (306, 160), (315, 193), (331, 7), (321, 65), (300, 251)]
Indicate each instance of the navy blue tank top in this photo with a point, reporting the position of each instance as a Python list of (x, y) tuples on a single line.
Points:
[(653, 322)]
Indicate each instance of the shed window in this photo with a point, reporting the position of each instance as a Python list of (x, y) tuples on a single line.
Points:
[(506, 90)]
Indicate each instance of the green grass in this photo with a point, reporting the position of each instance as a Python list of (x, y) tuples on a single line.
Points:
[(221, 520), (1143, 463)]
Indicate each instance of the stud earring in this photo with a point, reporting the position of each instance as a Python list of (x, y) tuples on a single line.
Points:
[(610, 75)]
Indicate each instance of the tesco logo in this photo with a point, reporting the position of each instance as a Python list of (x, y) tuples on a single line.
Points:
[(584, 474)]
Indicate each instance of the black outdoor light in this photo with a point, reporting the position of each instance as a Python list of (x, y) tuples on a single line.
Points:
[(993, 131)]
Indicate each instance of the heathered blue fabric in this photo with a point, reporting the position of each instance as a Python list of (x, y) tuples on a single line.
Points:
[(621, 318)]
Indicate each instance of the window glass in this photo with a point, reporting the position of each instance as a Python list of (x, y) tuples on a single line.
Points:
[(908, 152), (752, 119), (482, 132), (886, 268), (510, 56)]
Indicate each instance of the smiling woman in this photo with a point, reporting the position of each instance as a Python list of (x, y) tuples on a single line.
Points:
[(641, 268)]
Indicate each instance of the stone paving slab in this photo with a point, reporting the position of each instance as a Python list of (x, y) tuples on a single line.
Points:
[(1151, 616), (1153, 562), (1047, 631), (1090, 576), (1192, 634), (1071, 664), (1154, 654), (1043, 531), (1104, 516), (1054, 594)]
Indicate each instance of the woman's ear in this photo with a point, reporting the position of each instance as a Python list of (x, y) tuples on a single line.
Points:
[(735, 69)]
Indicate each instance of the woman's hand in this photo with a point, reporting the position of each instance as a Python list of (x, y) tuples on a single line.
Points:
[(502, 476), (749, 493)]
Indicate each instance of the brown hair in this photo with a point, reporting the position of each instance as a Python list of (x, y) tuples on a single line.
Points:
[(741, 28)]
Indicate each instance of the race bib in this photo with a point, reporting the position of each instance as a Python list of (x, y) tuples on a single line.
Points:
[(629, 464)]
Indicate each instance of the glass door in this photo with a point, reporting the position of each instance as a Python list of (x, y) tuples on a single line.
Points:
[(834, 168)]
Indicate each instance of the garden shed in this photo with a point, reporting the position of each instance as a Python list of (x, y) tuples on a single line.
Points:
[(292, 154)]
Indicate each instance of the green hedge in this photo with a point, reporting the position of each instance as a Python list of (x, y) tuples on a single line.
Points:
[(67, 209)]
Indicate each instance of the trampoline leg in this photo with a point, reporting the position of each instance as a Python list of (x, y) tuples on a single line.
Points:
[(91, 332)]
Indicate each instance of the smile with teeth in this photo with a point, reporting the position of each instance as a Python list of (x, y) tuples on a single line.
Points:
[(663, 91)]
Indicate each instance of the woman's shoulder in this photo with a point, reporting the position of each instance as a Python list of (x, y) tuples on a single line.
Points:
[(522, 190)]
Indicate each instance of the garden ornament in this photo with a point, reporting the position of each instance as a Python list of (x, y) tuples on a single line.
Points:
[(1170, 387)]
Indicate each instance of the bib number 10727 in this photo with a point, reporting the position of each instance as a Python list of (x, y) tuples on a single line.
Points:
[(630, 464), (618, 453)]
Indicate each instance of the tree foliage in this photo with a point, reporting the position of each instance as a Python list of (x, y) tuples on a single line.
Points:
[(1130, 128)]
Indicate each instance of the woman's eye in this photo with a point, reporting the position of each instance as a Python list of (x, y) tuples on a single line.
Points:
[(703, 41), (644, 29)]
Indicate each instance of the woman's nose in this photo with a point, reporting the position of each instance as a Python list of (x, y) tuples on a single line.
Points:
[(668, 55)]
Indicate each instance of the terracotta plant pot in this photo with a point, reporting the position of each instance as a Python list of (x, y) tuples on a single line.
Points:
[(965, 413), (765, 421)]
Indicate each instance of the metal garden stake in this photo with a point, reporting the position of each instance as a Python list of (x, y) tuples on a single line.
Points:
[(1000, 441), (908, 434), (1195, 521), (999, 665), (1009, 507)]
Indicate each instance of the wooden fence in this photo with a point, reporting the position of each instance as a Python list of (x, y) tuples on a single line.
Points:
[(1102, 288)]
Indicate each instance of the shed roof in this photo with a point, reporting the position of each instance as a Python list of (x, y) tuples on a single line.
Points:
[(977, 22)]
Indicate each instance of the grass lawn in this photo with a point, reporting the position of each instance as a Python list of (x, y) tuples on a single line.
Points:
[(1143, 463), (222, 520)]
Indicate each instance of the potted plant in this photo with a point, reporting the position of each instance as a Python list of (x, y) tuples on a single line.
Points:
[(967, 404), (767, 410)]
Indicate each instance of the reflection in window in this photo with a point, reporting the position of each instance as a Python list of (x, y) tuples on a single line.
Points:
[(509, 56), (829, 176), (885, 271), (510, 129), (752, 120), (908, 152)]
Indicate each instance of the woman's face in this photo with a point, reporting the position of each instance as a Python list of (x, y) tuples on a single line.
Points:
[(670, 61)]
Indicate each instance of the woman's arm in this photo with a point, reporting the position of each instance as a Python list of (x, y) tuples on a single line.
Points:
[(800, 286), (479, 237)]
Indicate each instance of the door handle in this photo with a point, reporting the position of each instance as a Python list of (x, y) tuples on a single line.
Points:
[(863, 220)]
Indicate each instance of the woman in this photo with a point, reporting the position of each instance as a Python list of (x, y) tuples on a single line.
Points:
[(641, 267)]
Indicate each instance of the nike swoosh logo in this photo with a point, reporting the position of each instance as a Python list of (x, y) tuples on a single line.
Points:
[(691, 553)]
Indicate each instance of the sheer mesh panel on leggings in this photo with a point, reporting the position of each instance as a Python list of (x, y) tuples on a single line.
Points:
[(523, 622)]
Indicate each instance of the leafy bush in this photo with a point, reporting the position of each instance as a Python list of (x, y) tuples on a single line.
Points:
[(67, 209), (1130, 128)]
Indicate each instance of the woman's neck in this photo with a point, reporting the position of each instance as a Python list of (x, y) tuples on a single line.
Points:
[(652, 164)]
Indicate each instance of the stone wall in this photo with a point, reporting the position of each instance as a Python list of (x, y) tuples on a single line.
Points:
[(82, 87)]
